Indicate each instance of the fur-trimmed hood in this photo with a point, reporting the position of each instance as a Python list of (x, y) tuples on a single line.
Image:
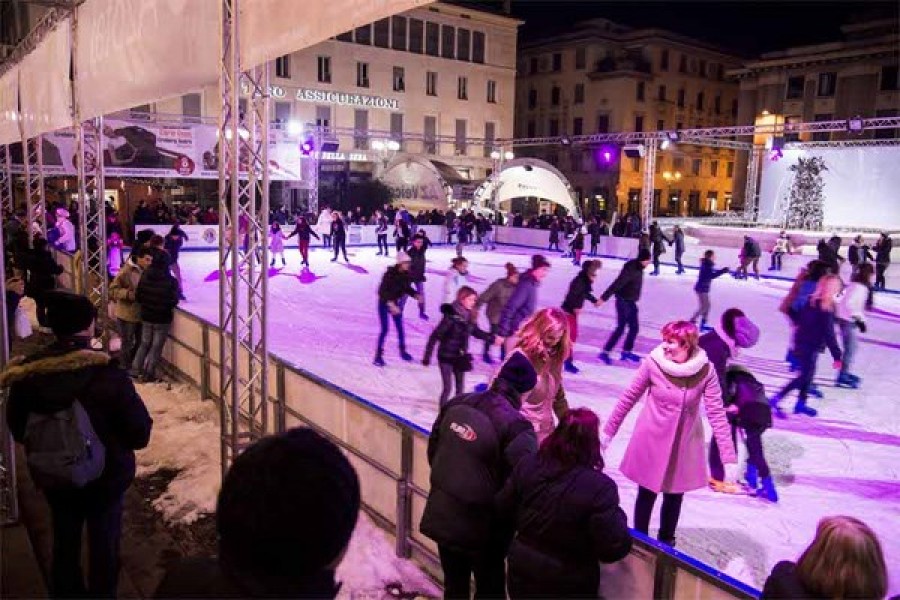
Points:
[(51, 364), (689, 368)]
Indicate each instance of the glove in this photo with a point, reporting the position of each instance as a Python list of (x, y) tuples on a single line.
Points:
[(731, 473), (860, 324), (605, 439), (837, 365)]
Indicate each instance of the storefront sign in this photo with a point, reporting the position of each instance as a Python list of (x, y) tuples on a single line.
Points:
[(344, 156), (346, 99)]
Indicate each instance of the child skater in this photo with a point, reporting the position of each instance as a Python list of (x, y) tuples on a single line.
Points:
[(276, 243), (704, 282)]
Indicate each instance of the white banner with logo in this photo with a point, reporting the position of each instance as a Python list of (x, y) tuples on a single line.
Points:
[(9, 107), (44, 84)]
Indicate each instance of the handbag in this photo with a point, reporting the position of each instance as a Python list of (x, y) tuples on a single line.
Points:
[(22, 324)]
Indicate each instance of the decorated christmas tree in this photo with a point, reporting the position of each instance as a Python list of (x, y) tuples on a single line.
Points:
[(806, 202)]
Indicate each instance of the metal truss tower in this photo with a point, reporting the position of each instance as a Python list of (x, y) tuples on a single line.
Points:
[(651, 146), (751, 195), (7, 200), (243, 247), (34, 187)]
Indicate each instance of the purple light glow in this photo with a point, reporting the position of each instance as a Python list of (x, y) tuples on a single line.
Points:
[(607, 156)]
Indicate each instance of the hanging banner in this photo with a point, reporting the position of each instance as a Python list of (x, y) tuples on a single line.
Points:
[(44, 85), (9, 107)]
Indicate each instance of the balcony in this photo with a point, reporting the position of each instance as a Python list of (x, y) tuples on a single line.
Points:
[(617, 66)]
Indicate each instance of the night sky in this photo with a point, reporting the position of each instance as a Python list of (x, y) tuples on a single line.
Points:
[(745, 27)]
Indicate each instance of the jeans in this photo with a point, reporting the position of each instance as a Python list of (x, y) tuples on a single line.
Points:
[(495, 327), (487, 566), (627, 316), (303, 246), (487, 240), (656, 262), (806, 362), (383, 313), (153, 338), (70, 510), (382, 243), (678, 256), (594, 244), (776, 261), (668, 518), (340, 245), (326, 240), (130, 333), (849, 334), (448, 372), (756, 458), (703, 310), (745, 262)]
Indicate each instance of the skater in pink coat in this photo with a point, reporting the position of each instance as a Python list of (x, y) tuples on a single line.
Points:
[(666, 452)]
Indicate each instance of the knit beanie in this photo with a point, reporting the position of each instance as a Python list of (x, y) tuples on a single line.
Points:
[(519, 373), (746, 333), (68, 313)]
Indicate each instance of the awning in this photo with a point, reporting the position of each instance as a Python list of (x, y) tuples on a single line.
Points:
[(528, 177)]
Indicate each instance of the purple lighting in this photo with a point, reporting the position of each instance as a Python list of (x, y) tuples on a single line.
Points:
[(607, 156), (307, 147)]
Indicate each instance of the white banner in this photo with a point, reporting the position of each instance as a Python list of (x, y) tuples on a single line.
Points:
[(133, 52), (44, 84), (9, 107)]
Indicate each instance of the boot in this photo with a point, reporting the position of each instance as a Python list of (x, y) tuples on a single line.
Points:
[(802, 409), (570, 367), (776, 408), (845, 381), (631, 356), (767, 491), (405, 355), (604, 356), (752, 477), (487, 359), (379, 361)]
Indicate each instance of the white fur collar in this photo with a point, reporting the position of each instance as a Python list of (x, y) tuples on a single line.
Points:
[(686, 369), (729, 341)]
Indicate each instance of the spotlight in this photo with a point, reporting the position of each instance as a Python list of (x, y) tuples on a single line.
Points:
[(508, 155), (634, 150), (673, 136), (294, 127), (495, 155), (664, 145), (855, 125), (307, 147)]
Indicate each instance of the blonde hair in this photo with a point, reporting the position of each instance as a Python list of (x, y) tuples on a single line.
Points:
[(684, 332), (821, 296), (545, 340), (844, 560)]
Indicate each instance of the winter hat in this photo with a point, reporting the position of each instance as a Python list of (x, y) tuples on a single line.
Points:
[(518, 372), (68, 313), (538, 261), (746, 333), (643, 254), (62, 213), (403, 257), (287, 506)]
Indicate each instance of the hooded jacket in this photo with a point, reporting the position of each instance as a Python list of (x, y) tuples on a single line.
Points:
[(157, 293), (521, 304), (495, 297), (580, 290), (123, 290), (628, 284), (394, 285), (452, 334), (50, 380), (708, 272)]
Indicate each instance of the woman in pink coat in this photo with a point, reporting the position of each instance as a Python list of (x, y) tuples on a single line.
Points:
[(666, 452)]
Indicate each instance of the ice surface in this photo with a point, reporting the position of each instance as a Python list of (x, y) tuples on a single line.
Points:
[(843, 462)]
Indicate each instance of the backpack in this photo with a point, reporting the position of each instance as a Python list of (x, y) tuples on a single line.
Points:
[(749, 395), (62, 449)]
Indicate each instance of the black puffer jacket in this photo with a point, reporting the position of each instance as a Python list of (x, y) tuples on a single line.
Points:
[(49, 381), (394, 285), (567, 520), (452, 334), (42, 272), (579, 292), (157, 293), (783, 583), (475, 443), (417, 262), (628, 284)]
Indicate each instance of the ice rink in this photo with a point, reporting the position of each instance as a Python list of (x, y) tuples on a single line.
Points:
[(845, 461)]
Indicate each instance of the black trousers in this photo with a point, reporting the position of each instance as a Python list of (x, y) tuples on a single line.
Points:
[(70, 510), (340, 245), (487, 566), (326, 240), (495, 328), (806, 362), (678, 256), (656, 262), (626, 316), (880, 280), (756, 457), (669, 514), (448, 376), (401, 243), (382, 243)]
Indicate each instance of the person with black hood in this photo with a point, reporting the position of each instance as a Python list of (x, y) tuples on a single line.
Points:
[(47, 385), (339, 236), (395, 286), (627, 290), (417, 249), (580, 291), (678, 241), (658, 240), (567, 514), (41, 272), (475, 443), (175, 239), (523, 301), (829, 255), (304, 496), (882, 248), (157, 294), (452, 339)]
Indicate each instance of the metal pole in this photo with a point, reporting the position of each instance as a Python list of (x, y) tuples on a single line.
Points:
[(650, 146), (34, 186), (7, 200), (751, 200), (9, 499)]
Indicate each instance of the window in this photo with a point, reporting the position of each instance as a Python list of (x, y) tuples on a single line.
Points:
[(729, 169), (416, 36), (682, 64), (602, 123), (579, 93), (580, 58), (363, 35), (283, 67), (714, 168), (397, 127), (660, 124), (640, 91), (533, 65), (734, 108), (822, 136), (323, 116), (489, 136), (431, 83), (190, 107), (702, 68), (362, 74), (678, 163), (462, 88), (532, 98), (432, 39), (794, 89), (636, 164), (532, 129), (430, 134), (491, 91), (680, 98), (664, 60), (554, 96), (678, 125), (282, 112), (448, 41), (699, 100), (478, 47), (827, 83), (382, 33), (361, 129), (463, 39), (889, 78), (639, 123), (696, 164), (460, 145), (554, 127), (577, 126), (398, 33), (717, 104), (324, 69), (661, 93), (557, 62), (399, 79)]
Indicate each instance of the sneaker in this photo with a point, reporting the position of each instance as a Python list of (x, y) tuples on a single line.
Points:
[(604, 356), (571, 368), (802, 409), (631, 356), (405, 355)]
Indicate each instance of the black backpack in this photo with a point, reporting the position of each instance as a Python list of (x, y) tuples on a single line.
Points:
[(749, 395)]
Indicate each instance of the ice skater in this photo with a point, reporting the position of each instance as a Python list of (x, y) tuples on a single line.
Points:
[(303, 230), (627, 290), (781, 247), (658, 240), (749, 254), (554, 235), (523, 301), (401, 233), (395, 285), (276, 243), (457, 277), (851, 318), (324, 226), (882, 249), (172, 244), (580, 291), (417, 249), (381, 227), (452, 339), (576, 246), (463, 237), (678, 241), (495, 298), (338, 236), (708, 272)]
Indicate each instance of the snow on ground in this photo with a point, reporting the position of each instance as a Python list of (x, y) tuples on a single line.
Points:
[(185, 437), (843, 462)]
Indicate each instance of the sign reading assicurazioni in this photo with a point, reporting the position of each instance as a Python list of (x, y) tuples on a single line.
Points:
[(346, 99)]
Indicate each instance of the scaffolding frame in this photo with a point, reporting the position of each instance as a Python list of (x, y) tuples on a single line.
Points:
[(243, 272), (36, 207), (7, 199), (651, 147)]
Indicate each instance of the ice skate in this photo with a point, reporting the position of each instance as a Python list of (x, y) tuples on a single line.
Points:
[(815, 392), (802, 409), (486, 358), (379, 361), (630, 356), (845, 381), (729, 487), (405, 355), (604, 356), (774, 402), (767, 490), (570, 367)]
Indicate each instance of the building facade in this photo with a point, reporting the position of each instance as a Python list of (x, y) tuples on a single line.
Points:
[(855, 77), (601, 77)]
